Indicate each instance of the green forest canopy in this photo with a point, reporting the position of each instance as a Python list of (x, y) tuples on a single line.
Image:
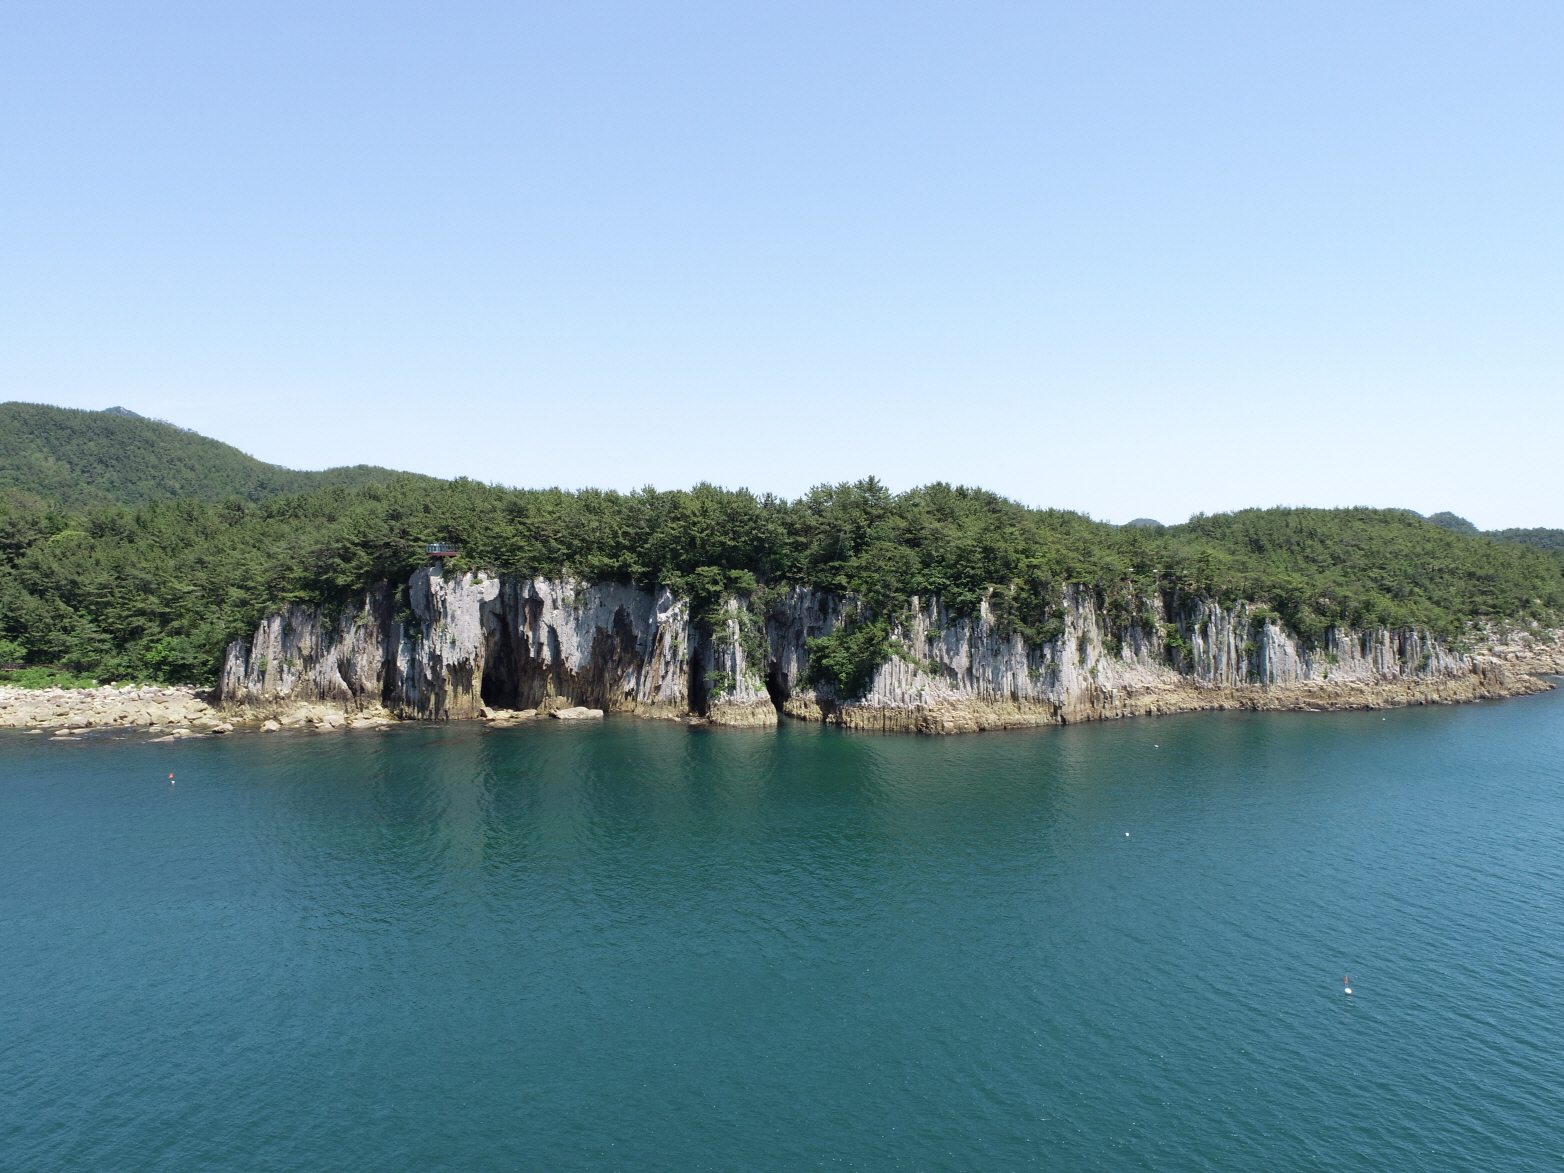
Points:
[(157, 591), (83, 459), (1543, 539)]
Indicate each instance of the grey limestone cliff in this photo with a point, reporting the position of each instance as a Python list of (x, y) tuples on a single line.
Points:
[(470, 640), (456, 643), (961, 673)]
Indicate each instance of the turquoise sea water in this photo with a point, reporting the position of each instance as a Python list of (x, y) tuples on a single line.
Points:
[(633, 946)]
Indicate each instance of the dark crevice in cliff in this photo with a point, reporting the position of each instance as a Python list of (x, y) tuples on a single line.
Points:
[(389, 682), (700, 661), (498, 689), (615, 656), (777, 686), (501, 684)]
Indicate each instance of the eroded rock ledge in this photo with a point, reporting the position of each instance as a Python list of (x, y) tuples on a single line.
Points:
[(172, 712), (472, 645)]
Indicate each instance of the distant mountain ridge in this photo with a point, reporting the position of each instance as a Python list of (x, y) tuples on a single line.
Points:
[(1541, 538), (128, 414), (82, 459)]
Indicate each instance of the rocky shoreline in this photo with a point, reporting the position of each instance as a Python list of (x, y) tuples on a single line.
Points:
[(472, 644), (169, 713), (1163, 698), (508, 651), (178, 713)]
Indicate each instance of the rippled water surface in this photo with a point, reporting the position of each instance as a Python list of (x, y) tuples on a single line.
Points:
[(640, 947)]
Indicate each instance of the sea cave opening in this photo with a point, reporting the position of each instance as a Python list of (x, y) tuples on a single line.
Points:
[(501, 673), (777, 686)]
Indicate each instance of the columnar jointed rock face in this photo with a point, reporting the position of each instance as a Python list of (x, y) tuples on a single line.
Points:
[(961, 674), (733, 664), (305, 654), (556, 643), (468, 640), (441, 653)]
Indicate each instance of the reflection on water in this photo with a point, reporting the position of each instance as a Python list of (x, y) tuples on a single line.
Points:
[(637, 946)]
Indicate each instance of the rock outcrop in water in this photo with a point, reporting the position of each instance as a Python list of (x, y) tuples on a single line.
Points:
[(457, 644)]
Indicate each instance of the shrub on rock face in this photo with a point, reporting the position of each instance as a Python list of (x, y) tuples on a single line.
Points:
[(848, 658)]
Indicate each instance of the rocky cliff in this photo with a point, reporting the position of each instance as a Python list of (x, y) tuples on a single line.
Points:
[(458, 643), (961, 674), (446, 646)]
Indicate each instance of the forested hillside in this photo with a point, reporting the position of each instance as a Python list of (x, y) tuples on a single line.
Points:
[(158, 591), (1542, 539), (82, 459)]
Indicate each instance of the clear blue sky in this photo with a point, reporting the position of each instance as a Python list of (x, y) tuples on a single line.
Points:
[(1134, 259)]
